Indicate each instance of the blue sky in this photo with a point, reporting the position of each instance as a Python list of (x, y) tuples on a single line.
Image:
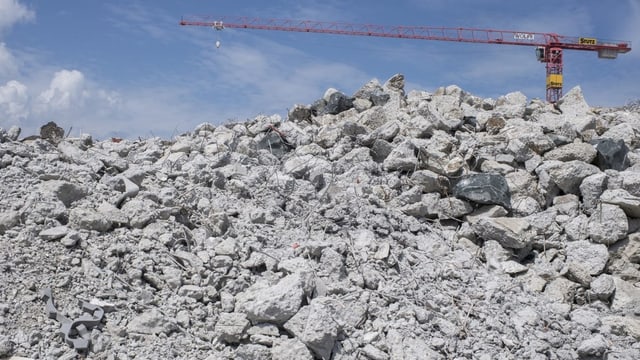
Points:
[(126, 68)]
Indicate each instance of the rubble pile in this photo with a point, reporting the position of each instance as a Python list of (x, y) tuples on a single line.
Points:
[(381, 226)]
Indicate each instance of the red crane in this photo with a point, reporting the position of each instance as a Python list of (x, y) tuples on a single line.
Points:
[(549, 46)]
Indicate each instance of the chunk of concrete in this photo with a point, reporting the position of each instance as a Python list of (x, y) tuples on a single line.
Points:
[(593, 257), (608, 224), (512, 233), (232, 327), (275, 304), (315, 326)]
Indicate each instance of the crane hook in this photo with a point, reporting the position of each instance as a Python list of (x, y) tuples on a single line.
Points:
[(217, 44)]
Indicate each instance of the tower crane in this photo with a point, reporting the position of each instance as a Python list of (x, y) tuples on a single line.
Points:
[(549, 46)]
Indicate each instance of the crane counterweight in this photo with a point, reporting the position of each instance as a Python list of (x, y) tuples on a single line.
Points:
[(549, 46)]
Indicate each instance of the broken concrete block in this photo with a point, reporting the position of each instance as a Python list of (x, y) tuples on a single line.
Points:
[(315, 326), (514, 233), (232, 327), (628, 203), (593, 257), (574, 151), (402, 158), (276, 303), (54, 233), (569, 175), (151, 322), (608, 224)]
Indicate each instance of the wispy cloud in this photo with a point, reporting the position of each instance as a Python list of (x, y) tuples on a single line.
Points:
[(271, 76), (632, 27), (8, 64), (12, 12), (143, 20)]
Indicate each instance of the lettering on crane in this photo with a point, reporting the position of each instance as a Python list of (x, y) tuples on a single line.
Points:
[(587, 41), (523, 36)]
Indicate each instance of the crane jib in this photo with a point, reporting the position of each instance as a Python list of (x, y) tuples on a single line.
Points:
[(549, 46)]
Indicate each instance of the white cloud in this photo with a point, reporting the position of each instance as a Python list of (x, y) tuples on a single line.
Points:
[(273, 77), (632, 31), (12, 12), (14, 100), (8, 66), (67, 89)]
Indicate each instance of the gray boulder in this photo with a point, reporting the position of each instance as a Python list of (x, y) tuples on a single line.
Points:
[(402, 158), (593, 257), (626, 298), (628, 203), (151, 322), (232, 327), (486, 189), (88, 219), (591, 188), (569, 175), (608, 224), (8, 219), (287, 349), (272, 303), (337, 103), (611, 154), (65, 191), (514, 233), (573, 151), (315, 326)]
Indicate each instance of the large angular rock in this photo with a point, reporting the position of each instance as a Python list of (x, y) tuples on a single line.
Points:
[(151, 322), (88, 219), (274, 143), (402, 158), (336, 103), (232, 327), (8, 220), (611, 154), (593, 257), (628, 203), (561, 290), (276, 303), (300, 113), (602, 287), (429, 181), (65, 191), (484, 189), (514, 233), (140, 212), (54, 233), (409, 347), (576, 111), (52, 132), (591, 188), (569, 175), (287, 349), (315, 326), (623, 325), (608, 224), (573, 151), (626, 297), (595, 346), (631, 181)]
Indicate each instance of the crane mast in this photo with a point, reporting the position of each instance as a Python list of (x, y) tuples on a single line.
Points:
[(549, 46)]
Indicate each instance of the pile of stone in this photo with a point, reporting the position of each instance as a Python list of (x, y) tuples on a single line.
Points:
[(380, 226)]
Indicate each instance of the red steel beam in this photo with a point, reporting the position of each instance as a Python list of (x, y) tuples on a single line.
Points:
[(470, 35)]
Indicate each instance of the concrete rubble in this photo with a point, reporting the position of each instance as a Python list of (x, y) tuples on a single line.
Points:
[(379, 225)]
